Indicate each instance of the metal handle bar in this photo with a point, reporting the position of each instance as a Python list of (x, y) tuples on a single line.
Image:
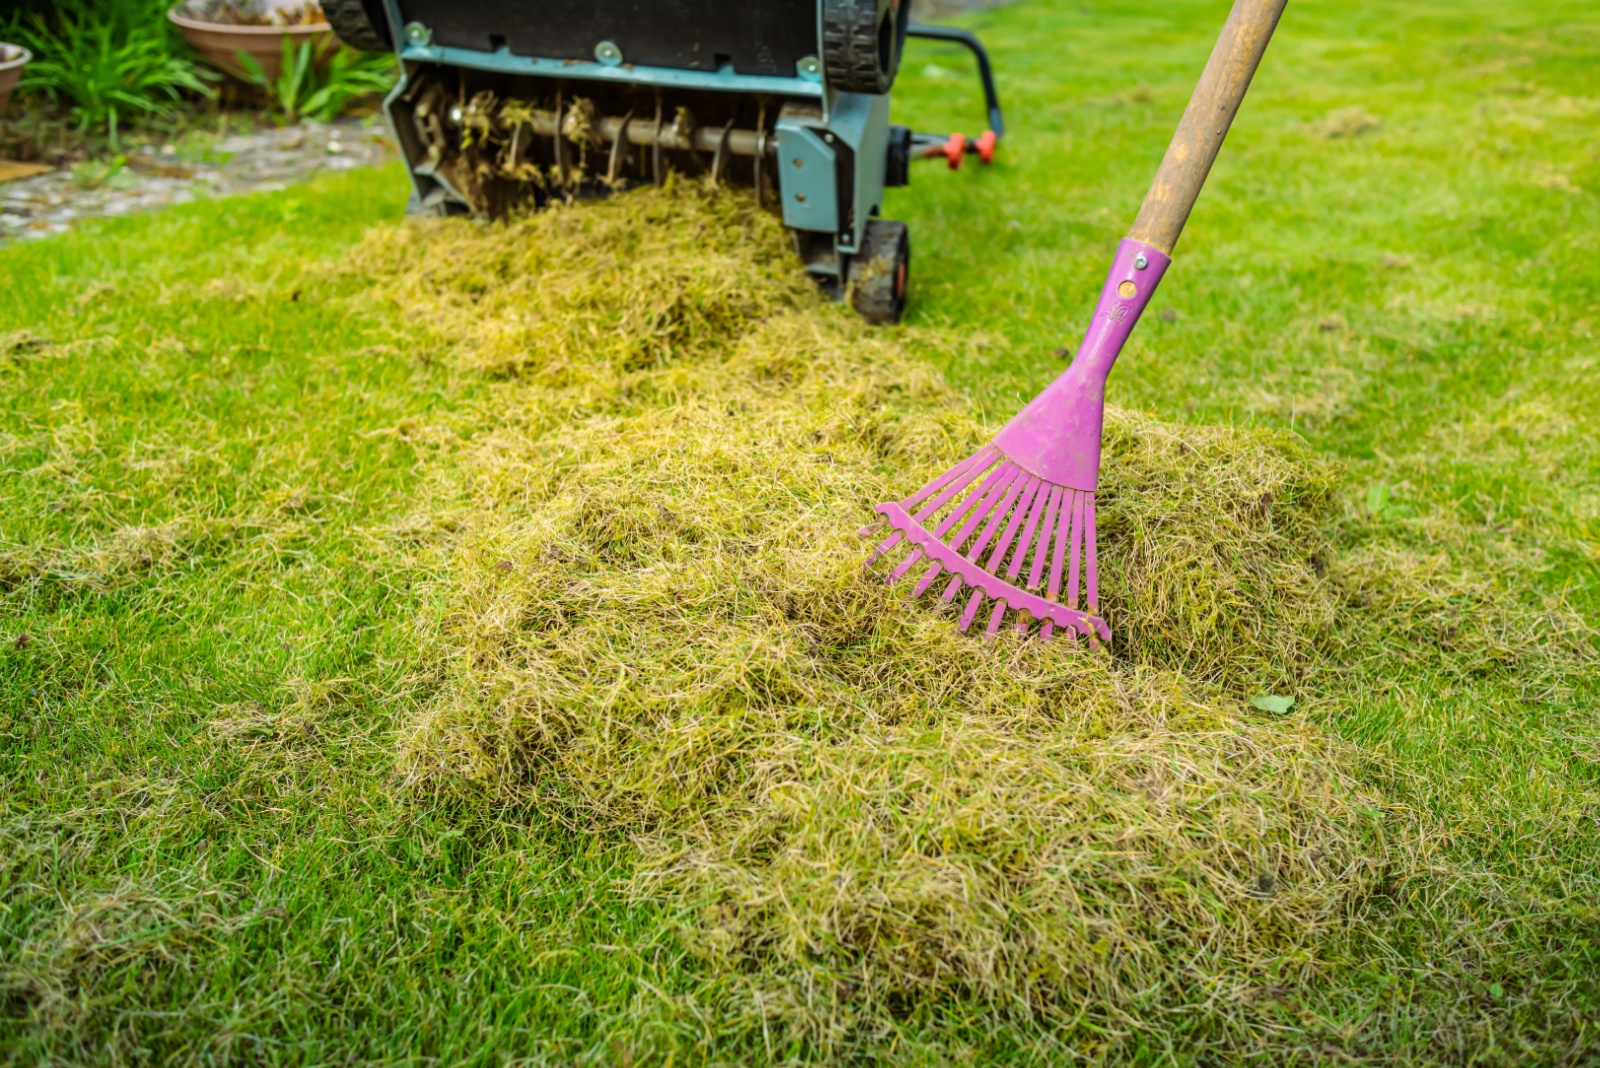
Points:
[(971, 43)]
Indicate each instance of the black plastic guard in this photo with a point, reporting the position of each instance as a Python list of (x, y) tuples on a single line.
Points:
[(766, 37)]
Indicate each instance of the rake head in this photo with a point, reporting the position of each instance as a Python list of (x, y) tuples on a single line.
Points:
[(1013, 524), (987, 532)]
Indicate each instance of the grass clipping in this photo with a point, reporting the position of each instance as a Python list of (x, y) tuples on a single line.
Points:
[(659, 627)]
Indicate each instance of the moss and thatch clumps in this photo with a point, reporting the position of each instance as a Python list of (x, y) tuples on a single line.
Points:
[(659, 627)]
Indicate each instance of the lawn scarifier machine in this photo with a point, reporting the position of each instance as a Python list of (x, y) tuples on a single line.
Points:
[(505, 103)]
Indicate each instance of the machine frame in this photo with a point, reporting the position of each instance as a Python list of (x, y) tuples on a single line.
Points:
[(823, 153)]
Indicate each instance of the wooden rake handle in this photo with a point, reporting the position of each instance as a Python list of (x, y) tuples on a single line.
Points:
[(1205, 122)]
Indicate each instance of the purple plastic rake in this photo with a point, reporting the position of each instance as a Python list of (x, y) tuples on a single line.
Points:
[(1013, 524), (1016, 518)]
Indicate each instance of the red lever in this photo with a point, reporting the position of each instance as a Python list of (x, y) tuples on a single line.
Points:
[(954, 149), (986, 143)]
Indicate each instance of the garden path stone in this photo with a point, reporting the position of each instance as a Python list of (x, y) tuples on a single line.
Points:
[(162, 175)]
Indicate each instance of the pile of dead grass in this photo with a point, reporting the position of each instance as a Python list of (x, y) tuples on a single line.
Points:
[(659, 627), (658, 312)]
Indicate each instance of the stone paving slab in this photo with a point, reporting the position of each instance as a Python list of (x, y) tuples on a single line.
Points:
[(264, 159)]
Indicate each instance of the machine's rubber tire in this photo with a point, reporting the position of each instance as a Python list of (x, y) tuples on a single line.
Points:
[(861, 43), (361, 24), (879, 272)]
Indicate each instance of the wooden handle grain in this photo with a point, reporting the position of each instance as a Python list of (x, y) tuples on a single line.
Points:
[(1205, 122)]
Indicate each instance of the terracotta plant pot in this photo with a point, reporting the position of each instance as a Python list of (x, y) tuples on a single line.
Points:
[(12, 59), (217, 42)]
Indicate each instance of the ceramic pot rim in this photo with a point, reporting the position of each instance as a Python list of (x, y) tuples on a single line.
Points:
[(13, 56), (188, 23)]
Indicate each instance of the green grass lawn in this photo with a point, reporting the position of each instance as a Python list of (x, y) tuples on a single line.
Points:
[(216, 598)]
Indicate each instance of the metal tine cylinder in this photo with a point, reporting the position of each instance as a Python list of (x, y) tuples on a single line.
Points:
[(719, 159), (614, 164)]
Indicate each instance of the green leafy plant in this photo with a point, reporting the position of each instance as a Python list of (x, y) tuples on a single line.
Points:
[(109, 59), (308, 88), (99, 173)]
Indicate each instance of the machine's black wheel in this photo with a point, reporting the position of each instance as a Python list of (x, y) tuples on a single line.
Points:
[(861, 43), (361, 24), (878, 273)]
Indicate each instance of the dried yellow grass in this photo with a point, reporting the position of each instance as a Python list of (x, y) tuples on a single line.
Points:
[(658, 627)]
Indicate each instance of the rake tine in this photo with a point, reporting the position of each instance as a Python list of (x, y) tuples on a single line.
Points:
[(944, 498), (894, 539), (1077, 548), (952, 482), (970, 467), (972, 609), (993, 630), (1093, 575), (905, 566), (927, 579), (1011, 476), (951, 476), (1041, 553), (1059, 556), (1024, 505), (1034, 513), (1031, 503), (996, 517), (972, 498), (1021, 496), (883, 547), (1063, 538)]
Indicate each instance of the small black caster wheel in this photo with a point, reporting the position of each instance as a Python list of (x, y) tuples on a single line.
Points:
[(877, 282)]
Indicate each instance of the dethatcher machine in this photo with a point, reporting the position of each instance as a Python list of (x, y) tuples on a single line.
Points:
[(508, 103)]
